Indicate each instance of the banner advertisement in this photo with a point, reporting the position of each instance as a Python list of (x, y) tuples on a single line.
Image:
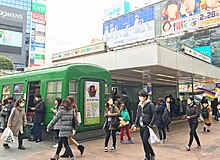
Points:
[(200, 13), (10, 38), (91, 102), (39, 8), (130, 28)]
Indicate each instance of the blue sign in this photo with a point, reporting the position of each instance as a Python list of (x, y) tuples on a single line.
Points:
[(40, 45), (206, 50), (130, 28)]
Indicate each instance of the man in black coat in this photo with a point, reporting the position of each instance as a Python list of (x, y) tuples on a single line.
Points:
[(145, 118), (39, 112)]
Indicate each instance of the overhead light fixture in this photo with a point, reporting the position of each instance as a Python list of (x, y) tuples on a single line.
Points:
[(167, 80), (139, 71), (163, 75)]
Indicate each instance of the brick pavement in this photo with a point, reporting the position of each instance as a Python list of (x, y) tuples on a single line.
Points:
[(172, 150)]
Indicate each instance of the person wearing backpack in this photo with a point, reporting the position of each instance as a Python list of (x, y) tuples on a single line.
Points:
[(206, 112), (192, 114), (161, 119)]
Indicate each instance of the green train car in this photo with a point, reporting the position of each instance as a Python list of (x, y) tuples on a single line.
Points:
[(89, 84)]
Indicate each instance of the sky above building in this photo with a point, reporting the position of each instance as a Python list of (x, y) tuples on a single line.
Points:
[(72, 24)]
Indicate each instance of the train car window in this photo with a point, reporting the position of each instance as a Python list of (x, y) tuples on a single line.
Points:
[(107, 91), (73, 89), (6, 91), (54, 89), (18, 91)]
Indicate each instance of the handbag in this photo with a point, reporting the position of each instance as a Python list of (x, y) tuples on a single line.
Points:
[(27, 132), (75, 123), (115, 123), (153, 136), (8, 136)]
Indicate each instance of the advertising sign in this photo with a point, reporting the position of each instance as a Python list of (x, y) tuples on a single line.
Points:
[(10, 38), (210, 18), (133, 27), (99, 47), (117, 10), (206, 50), (91, 102), (39, 8), (39, 18)]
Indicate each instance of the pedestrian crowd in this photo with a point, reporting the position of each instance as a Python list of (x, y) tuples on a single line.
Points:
[(118, 116)]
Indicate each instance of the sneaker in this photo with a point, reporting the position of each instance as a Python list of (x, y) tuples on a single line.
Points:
[(106, 149), (152, 157), (199, 147), (130, 141), (55, 146), (187, 148), (208, 130), (21, 147), (113, 149), (161, 141), (6, 146), (164, 141), (81, 149), (123, 142), (204, 129)]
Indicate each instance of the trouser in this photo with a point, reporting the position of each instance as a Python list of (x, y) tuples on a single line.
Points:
[(193, 133), (64, 141), (127, 132), (162, 133), (57, 132), (37, 131), (20, 139), (145, 134), (108, 134)]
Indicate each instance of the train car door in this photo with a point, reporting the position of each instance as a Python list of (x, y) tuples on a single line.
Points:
[(33, 89)]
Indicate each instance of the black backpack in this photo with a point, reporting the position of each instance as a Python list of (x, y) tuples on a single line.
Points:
[(205, 112), (165, 116)]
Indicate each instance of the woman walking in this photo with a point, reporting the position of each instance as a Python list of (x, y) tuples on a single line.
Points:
[(65, 115), (161, 125), (111, 112), (207, 115), (70, 138), (17, 121), (192, 114)]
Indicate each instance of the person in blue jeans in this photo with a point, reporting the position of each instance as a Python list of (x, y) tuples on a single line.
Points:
[(145, 118), (39, 111)]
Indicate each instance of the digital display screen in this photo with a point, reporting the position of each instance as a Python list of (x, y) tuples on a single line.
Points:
[(10, 38)]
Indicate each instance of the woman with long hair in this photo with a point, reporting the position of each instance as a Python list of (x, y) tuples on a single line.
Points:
[(70, 138), (65, 115), (17, 121), (192, 114)]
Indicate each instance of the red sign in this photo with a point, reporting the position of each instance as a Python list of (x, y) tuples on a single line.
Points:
[(37, 17)]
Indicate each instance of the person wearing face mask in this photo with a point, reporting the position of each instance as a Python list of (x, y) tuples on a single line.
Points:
[(39, 111), (145, 118), (16, 122), (192, 114)]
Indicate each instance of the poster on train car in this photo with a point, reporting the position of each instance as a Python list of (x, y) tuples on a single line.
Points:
[(92, 102)]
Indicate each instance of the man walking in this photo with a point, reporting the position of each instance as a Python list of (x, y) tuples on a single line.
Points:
[(145, 118)]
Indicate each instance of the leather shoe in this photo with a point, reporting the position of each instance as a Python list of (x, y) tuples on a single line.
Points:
[(21, 147), (31, 140), (39, 140)]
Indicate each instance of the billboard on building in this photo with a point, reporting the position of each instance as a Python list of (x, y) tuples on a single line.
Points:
[(12, 34), (130, 28), (116, 10), (185, 15), (39, 6)]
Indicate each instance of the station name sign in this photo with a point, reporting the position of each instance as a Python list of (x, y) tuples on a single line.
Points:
[(189, 51), (95, 48)]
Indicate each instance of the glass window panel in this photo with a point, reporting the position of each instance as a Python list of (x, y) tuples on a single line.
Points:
[(18, 88), (51, 98), (72, 86), (55, 86), (6, 89)]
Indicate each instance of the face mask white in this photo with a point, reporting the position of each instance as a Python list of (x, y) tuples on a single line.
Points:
[(141, 99), (21, 104)]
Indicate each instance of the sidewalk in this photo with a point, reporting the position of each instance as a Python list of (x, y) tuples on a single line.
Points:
[(177, 139)]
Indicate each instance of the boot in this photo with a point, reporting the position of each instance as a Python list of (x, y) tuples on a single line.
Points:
[(81, 149), (65, 155), (55, 157)]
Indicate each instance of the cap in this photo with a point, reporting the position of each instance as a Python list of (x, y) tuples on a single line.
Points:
[(123, 92), (142, 93)]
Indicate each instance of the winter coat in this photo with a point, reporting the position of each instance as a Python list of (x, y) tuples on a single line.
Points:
[(65, 118), (55, 111), (116, 113), (148, 114), (192, 111), (158, 117), (39, 112), (209, 119), (17, 120)]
